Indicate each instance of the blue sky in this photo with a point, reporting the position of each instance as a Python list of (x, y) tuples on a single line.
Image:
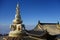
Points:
[(31, 11)]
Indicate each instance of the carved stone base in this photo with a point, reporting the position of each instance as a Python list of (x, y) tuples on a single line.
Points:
[(15, 34)]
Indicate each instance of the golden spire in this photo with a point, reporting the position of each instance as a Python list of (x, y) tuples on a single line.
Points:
[(17, 19)]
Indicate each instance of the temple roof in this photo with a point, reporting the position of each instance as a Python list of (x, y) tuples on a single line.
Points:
[(51, 27)]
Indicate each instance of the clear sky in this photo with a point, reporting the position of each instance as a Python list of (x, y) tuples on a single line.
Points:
[(31, 11)]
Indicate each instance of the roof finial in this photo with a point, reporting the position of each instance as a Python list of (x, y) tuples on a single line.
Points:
[(58, 22), (38, 21)]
